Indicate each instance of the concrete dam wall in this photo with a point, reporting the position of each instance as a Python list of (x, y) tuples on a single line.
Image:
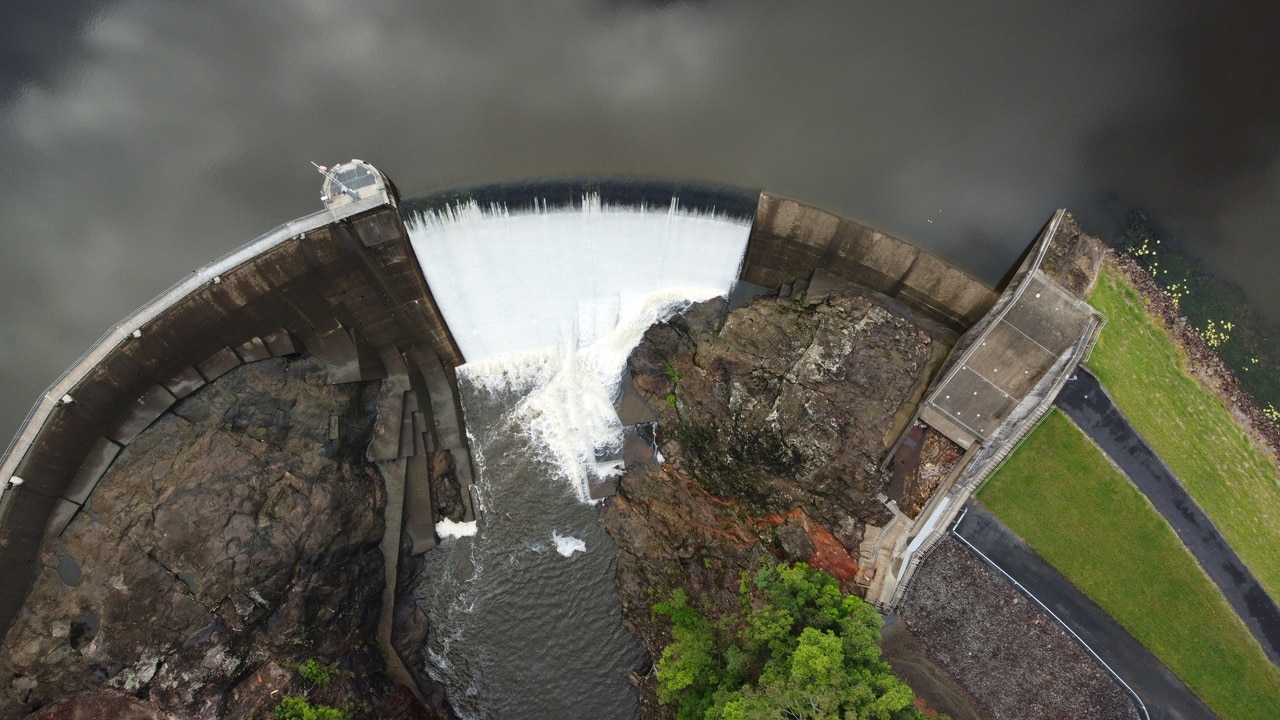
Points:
[(790, 240), (342, 284), (345, 286)]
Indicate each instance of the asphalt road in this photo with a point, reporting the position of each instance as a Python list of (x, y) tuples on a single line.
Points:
[(1163, 694), (1089, 406)]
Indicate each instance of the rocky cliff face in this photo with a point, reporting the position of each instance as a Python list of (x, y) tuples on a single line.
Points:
[(233, 538), (772, 421), (781, 405)]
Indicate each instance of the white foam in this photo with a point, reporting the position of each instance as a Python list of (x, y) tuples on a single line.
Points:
[(552, 303), (447, 528), (567, 545), (518, 281)]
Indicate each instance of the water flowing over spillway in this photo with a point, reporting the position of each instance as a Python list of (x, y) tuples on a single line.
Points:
[(553, 300), (545, 304), (517, 281)]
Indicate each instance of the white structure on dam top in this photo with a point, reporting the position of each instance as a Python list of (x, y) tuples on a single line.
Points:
[(352, 182)]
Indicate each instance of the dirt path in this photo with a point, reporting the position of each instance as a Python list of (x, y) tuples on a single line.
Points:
[(910, 661)]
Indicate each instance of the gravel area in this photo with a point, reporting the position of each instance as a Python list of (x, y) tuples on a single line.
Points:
[(1001, 647)]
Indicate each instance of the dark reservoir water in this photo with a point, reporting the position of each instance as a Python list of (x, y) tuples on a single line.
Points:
[(142, 138), (524, 623)]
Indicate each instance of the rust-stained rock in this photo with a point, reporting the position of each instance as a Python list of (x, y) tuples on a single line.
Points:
[(672, 533)]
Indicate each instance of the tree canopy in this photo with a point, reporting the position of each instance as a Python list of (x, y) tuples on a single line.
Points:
[(796, 648)]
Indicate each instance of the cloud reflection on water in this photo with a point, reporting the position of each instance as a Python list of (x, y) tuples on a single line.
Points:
[(150, 137)]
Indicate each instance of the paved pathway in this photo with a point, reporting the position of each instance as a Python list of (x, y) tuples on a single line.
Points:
[(1163, 694), (1089, 406)]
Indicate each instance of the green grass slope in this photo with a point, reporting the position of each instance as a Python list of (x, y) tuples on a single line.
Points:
[(1077, 511), (1228, 476)]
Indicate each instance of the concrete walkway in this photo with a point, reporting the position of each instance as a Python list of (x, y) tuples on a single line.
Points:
[(1089, 406), (1162, 693)]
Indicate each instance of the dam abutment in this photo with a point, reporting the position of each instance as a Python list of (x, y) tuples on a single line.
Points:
[(790, 240)]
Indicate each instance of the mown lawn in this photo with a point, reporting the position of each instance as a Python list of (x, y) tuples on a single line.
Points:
[(1188, 426), (1061, 494)]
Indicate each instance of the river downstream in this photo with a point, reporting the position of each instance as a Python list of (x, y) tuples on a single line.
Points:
[(525, 621), (546, 301)]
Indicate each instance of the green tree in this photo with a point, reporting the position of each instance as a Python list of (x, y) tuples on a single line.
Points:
[(797, 648), (690, 667)]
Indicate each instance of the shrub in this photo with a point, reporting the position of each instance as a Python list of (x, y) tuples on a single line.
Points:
[(316, 673), (296, 708), (797, 647)]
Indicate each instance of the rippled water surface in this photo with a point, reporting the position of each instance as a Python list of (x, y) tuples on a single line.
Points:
[(523, 622)]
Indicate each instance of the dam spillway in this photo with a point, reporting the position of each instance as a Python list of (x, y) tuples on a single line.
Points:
[(557, 295), (547, 299), (522, 281)]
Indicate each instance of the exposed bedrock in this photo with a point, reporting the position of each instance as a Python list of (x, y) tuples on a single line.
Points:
[(783, 405), (231, 539)]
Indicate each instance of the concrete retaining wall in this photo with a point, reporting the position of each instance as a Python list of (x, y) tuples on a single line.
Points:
[(987, 452), (789, 240)]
